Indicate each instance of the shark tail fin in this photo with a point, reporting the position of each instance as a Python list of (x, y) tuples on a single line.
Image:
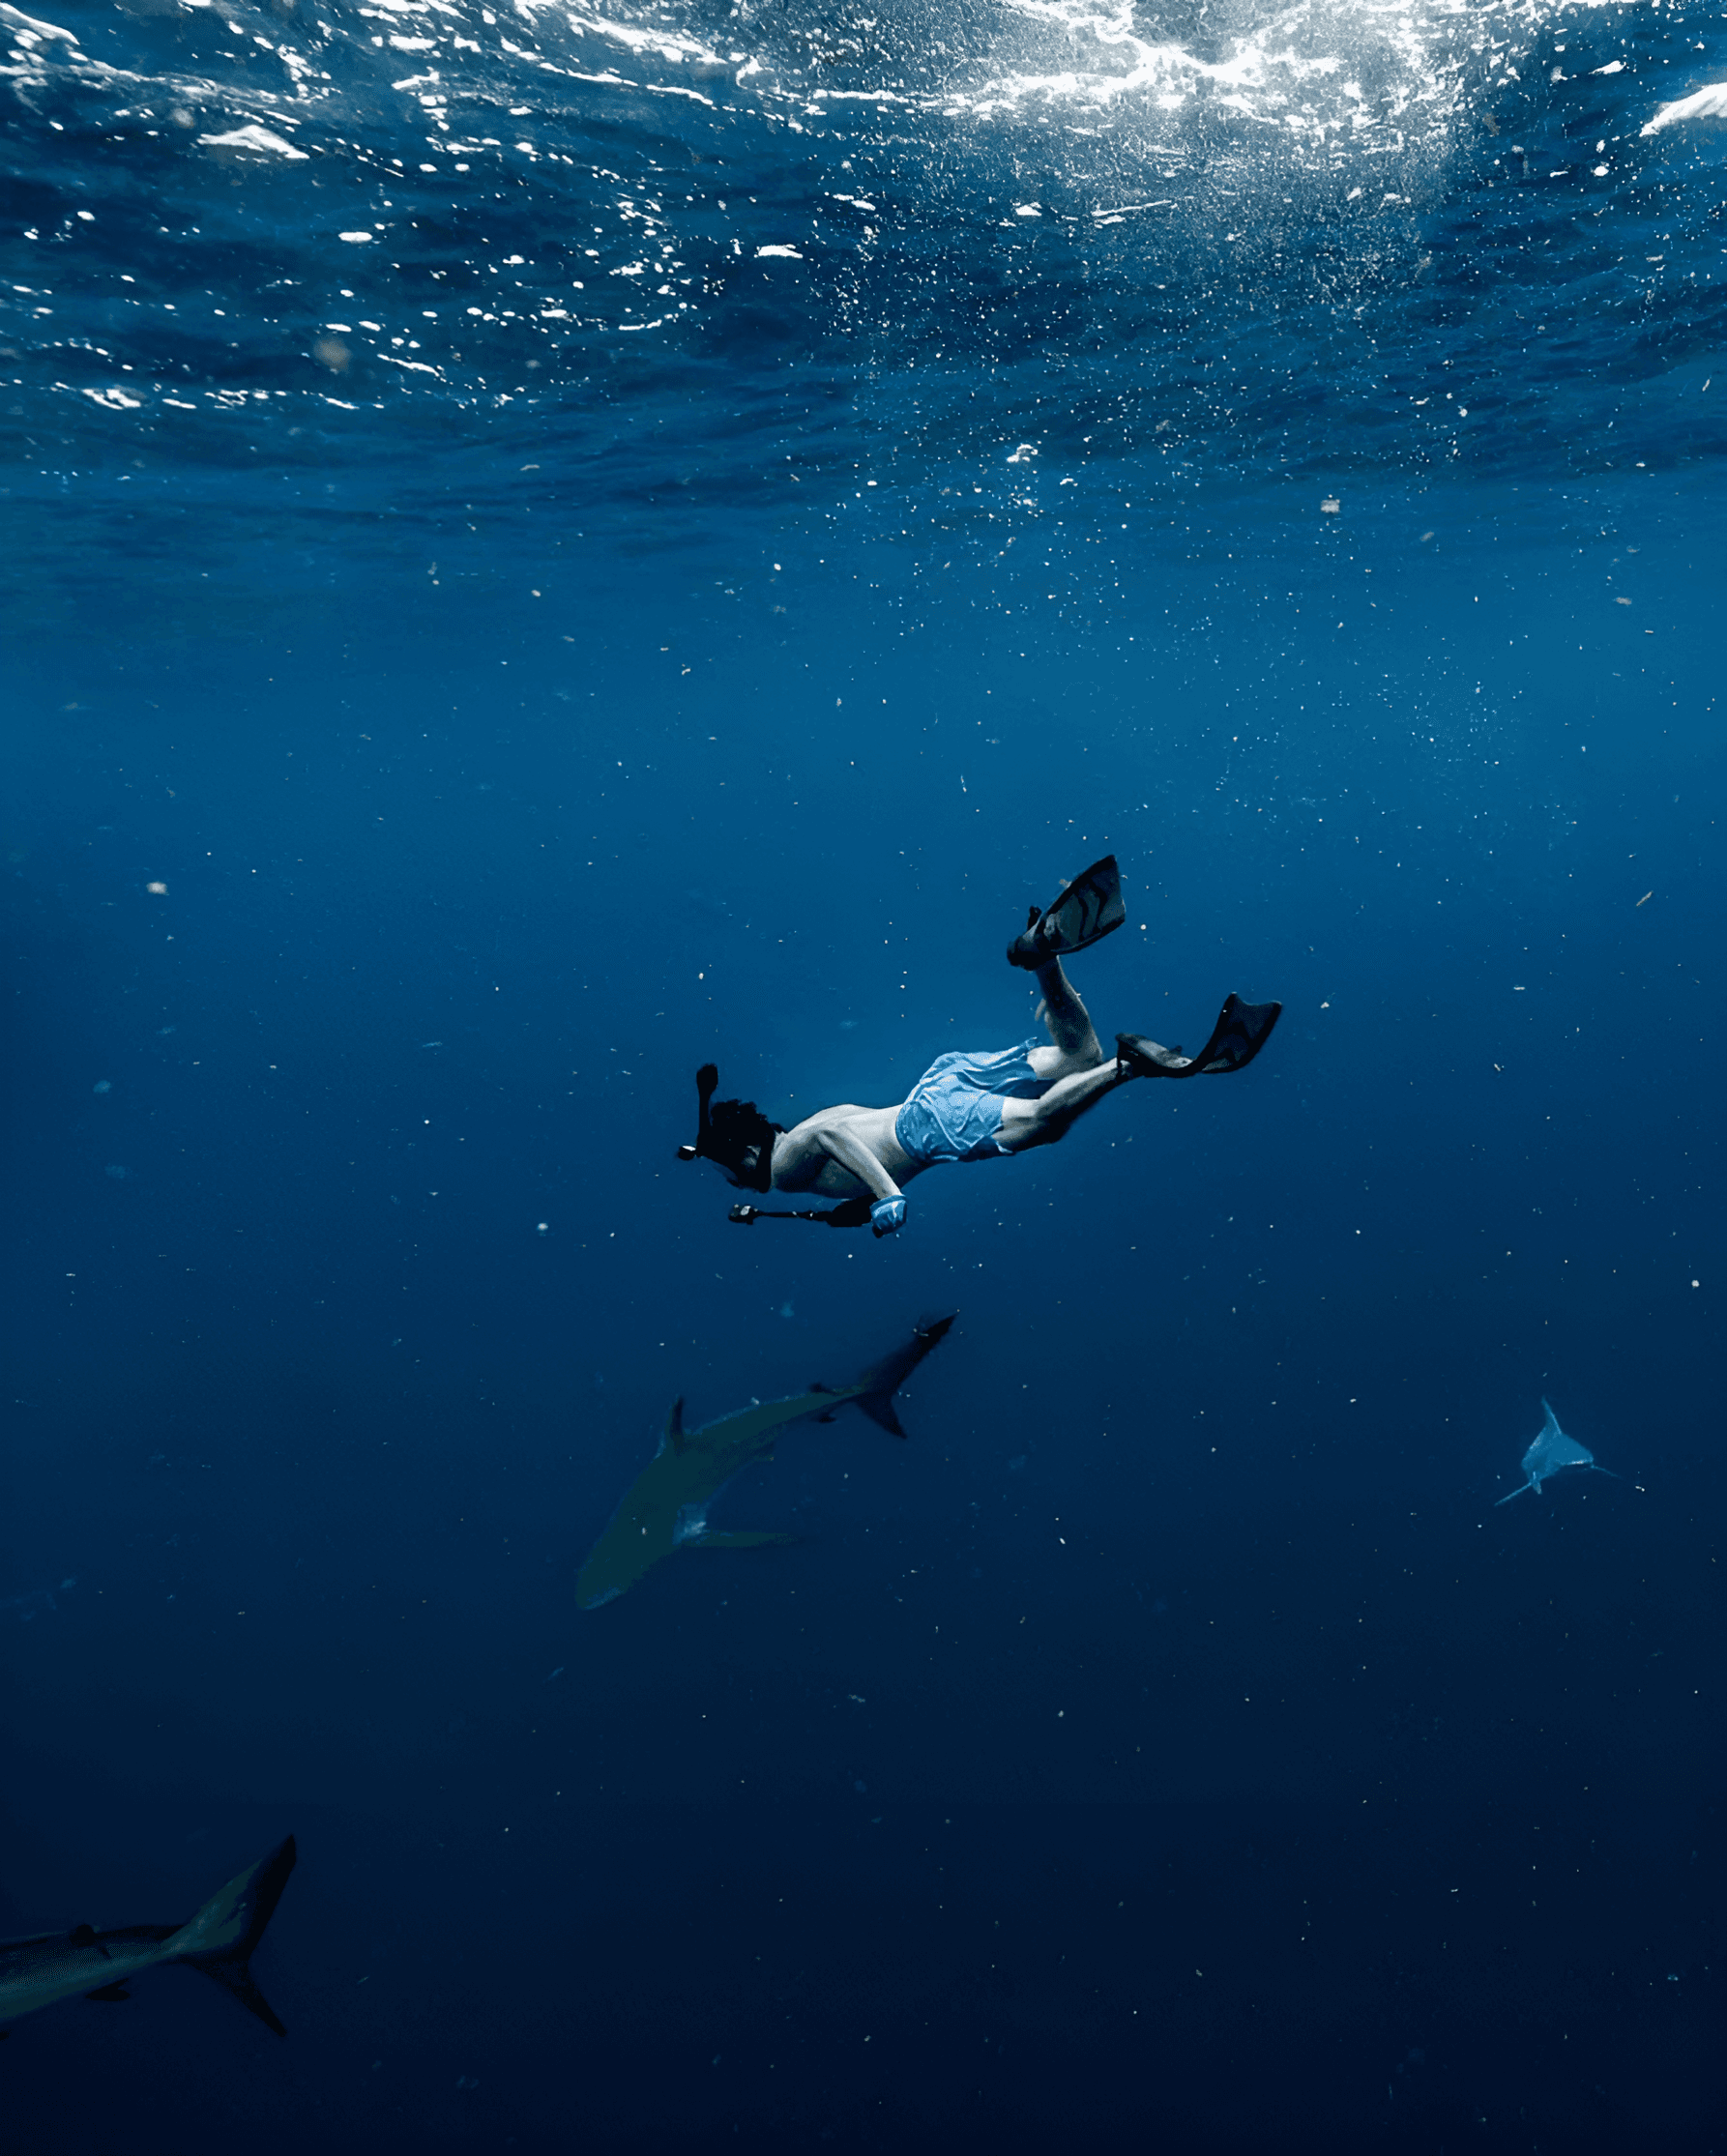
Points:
[(222, 1938), (878, 1385)]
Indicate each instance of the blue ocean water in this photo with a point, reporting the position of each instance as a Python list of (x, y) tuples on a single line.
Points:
[(546, 547)]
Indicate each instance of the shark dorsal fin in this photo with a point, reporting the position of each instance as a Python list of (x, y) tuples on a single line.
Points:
[(674, 1425)]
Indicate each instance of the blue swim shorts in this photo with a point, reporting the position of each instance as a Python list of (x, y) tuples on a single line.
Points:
[(955, 1110)]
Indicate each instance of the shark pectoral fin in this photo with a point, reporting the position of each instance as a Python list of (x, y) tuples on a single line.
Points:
[(748, 1540), (674, 1425), (110, 1994)]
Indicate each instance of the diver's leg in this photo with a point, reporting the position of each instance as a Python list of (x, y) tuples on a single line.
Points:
[(1040, 1122), (1076, 1047)]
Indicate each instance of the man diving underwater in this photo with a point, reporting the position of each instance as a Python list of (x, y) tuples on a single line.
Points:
[(968, 1106)]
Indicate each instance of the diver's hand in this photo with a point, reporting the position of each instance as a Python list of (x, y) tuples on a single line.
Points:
[(886, 1217)]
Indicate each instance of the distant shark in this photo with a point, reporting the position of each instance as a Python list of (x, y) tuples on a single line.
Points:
[(1550, 1451), (219, 1940), (666, 1509)]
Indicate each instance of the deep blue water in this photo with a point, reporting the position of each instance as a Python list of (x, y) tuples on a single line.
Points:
[(545, 548)]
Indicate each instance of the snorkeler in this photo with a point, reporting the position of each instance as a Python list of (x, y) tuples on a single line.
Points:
[(967, 1106)]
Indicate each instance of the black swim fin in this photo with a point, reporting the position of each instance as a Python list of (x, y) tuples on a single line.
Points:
[(1087, 909), (1241, 1031)]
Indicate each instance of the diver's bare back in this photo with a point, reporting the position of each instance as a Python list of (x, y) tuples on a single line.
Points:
[(803, 1163)]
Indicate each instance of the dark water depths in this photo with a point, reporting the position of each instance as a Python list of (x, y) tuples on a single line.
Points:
[(459, 680)]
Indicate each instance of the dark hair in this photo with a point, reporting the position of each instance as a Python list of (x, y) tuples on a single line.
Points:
[(736, 1128), (731, 1131)]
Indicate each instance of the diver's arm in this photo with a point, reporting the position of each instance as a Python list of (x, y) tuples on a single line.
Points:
[(851, 1153)]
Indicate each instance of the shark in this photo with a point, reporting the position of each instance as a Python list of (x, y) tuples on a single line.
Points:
[(219, 1942), (1547, 1453), (667, 1507)]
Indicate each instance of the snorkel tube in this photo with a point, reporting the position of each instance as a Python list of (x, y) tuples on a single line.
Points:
[(707, 1084)]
